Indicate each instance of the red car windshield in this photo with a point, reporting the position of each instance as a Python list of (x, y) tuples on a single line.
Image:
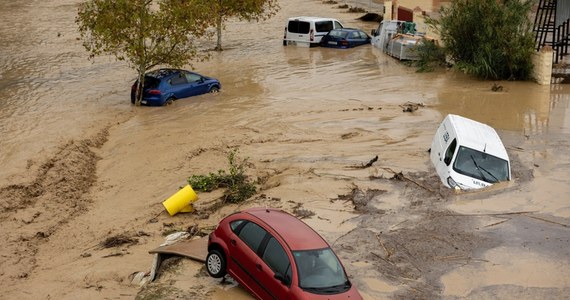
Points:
[(320, 271)]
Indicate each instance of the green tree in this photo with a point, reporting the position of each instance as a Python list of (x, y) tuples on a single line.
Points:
[(491, 39), (144, 33), (249, 10)]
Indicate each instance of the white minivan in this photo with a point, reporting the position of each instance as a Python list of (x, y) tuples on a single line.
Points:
[(468, 155), (308, 31)]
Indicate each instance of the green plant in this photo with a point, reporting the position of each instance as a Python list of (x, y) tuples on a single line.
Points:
[(430, 56), (234, 180), (491, 39)]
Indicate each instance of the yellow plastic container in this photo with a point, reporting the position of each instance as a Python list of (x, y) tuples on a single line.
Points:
[(181, 201)]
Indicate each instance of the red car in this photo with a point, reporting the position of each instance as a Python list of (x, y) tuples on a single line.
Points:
[(274, 255)]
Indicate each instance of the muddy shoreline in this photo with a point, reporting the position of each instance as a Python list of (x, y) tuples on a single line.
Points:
[(309, 121)]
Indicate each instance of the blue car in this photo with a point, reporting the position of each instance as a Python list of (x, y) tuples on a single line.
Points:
[(163, 86), (345, 38)]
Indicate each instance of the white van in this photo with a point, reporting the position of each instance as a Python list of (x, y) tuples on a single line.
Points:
[(468, 155), (308, 31)]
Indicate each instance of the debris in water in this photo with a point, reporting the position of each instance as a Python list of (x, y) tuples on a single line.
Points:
[(302, 213), (411, 106), (497, 87), (118, 240), (371, 17)]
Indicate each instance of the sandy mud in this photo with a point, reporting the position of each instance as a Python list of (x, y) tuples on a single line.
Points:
[(85, 173)]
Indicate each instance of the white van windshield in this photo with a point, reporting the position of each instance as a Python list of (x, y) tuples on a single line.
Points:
[(481, 165)]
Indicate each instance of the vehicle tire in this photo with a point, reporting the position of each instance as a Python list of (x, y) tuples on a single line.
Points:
[(214, 89), (169, 101), (216, 263)]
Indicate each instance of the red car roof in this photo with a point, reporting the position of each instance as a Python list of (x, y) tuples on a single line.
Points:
[(297, 234)]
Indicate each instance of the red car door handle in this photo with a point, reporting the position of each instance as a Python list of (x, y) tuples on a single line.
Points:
[(233, 242), (258, 266)]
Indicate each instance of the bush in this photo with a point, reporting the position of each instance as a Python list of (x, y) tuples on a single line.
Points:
[(235, 181), (430, 56), (491, 39)]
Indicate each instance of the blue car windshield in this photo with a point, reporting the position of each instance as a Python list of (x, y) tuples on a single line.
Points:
[(481, 165), (338, 33), (320, 271)]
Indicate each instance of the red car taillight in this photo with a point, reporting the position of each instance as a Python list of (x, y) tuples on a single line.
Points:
[(154, 92), (343, 43)]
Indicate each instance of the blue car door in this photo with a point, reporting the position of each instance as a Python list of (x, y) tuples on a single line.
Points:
[(196, 84), (356, 39), (179, 86)]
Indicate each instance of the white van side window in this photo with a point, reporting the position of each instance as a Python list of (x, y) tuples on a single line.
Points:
[(449, 152), (324, 26)]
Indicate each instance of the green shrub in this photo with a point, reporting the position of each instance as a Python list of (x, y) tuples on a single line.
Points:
[(430, 56), (491, 39), (235, 181)]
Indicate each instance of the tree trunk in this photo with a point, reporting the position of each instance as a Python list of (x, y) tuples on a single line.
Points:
[(140, 86), (141, 68), (219, 31)]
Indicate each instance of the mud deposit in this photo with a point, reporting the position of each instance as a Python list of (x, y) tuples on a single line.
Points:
[(337, 137)]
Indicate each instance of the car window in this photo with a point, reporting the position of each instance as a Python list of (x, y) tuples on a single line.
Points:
[(276, 258), (178, 80), (319, 269), (252, 235), (151, 82), (324, 26), (449, 152), (354, 35), (337, 25), (235, 224), (338, 33), (363, 35), (191, 77), (296, 26), (481, 165)]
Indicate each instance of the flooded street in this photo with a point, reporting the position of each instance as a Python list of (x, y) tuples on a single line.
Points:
[(80, 164)]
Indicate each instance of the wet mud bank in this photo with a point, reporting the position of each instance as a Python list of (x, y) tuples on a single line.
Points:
[(330, 136)]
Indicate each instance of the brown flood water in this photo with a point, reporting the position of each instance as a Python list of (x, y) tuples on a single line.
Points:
[(80, 164)]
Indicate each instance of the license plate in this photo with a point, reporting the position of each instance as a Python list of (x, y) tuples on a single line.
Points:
[(332, 43)]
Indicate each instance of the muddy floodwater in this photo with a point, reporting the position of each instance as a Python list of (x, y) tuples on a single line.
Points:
[(80, 165)]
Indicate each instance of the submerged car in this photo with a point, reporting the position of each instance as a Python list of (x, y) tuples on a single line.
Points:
[(345, 38), (274, 255), (468, 154), (308, 31), (164, 86)]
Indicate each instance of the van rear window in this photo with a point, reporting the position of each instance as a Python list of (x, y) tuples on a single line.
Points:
[(296, 26), (324, 26)]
